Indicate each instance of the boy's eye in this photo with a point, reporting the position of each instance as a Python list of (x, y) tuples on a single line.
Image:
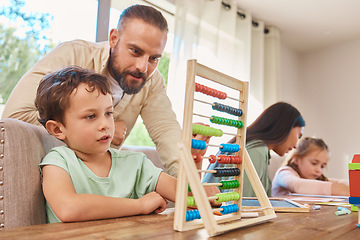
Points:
[(108, 113), (135, 51), (90, 116)]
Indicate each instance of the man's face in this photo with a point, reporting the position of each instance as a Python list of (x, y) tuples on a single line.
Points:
[(135, 52)]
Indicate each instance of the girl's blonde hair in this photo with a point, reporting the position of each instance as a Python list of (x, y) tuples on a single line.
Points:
[(305, 147)]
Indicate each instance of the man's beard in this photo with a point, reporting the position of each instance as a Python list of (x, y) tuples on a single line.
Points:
[(120, 78)]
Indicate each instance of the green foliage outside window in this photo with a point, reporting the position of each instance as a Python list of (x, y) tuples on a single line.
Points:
[(18, 53)]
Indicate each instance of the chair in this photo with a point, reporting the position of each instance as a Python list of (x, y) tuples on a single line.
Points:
[(22, 147)]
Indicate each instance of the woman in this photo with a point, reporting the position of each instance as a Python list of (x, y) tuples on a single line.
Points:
[(278, 128)]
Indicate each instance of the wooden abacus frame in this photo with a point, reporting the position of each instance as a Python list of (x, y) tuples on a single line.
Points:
[(188, 174)]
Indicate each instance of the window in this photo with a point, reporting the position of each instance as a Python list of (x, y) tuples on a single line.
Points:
[(45, 24)]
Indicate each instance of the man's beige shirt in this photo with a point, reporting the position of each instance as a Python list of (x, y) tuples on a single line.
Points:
[(151, 102)]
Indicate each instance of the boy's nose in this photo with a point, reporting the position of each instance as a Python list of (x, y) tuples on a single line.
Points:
[(104, 124)]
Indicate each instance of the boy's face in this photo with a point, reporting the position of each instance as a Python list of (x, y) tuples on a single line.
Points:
[(88, 122)]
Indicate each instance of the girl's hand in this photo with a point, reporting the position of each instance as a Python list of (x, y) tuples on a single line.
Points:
[(340, 189)]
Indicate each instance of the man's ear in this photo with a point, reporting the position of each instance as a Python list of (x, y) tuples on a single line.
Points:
[(55, 128), (113, 38)]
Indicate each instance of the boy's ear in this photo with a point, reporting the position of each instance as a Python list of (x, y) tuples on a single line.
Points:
[(55, 128)]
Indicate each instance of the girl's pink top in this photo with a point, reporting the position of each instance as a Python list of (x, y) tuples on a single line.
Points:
[(287, 180)]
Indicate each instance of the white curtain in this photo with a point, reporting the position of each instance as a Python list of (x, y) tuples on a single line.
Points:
[(228, 39)]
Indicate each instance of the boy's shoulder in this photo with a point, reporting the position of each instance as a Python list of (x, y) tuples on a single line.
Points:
[(125, 153), (61, 150)]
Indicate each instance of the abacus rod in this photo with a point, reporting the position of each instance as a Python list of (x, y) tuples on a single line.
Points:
[(217, 158), (203, 102), (212, 145), (201, 115), (232, 134), (207, 171), (212, 184), (235, 99), (213, 198)]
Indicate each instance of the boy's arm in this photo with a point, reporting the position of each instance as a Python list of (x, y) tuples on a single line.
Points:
[(70, 206), (166, 187)]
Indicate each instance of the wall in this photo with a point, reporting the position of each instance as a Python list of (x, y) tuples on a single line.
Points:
[(324, 85)]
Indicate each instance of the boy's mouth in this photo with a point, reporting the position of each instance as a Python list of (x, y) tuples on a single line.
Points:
[(104, 138)]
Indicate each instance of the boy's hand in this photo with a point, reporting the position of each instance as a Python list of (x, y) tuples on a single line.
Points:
[(120, 132), (152, 202)]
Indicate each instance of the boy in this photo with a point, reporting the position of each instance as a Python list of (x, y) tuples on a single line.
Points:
[(88, 180)]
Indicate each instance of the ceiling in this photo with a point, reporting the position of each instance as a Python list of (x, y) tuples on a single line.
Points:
[(309, 24)]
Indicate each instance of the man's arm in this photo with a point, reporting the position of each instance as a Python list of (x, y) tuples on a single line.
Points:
[(160, 121), (20, 104)]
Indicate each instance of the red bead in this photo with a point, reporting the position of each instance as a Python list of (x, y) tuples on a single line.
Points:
[(212, 159), (197, 157)]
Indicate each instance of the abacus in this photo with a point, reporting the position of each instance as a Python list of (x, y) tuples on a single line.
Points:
[(188, 175)]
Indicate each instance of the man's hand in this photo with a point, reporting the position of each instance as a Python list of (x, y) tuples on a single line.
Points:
[(120, 132), (198, 151), (210, 192)]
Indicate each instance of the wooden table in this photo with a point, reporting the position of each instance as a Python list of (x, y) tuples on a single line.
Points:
[(317, 224)]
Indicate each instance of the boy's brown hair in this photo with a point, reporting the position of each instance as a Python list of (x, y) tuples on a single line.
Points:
[(53, 93)]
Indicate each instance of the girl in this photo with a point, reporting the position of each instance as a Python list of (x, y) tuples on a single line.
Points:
[(304, 172), (278, 128)]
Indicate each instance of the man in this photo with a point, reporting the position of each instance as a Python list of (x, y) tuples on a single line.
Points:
[(129, 61)]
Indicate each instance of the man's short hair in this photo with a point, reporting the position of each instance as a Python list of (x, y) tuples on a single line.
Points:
[(146, 13)]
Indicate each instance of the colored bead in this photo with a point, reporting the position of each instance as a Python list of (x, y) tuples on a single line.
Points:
[(227, 109), (229, 209), (198, 144), (206, 131), (212, 159), (225, 121), (229, 147), (229, 184), (224, 197), (197, 157), (210, 91), (224, 172), (190, 201), (192, 215)]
